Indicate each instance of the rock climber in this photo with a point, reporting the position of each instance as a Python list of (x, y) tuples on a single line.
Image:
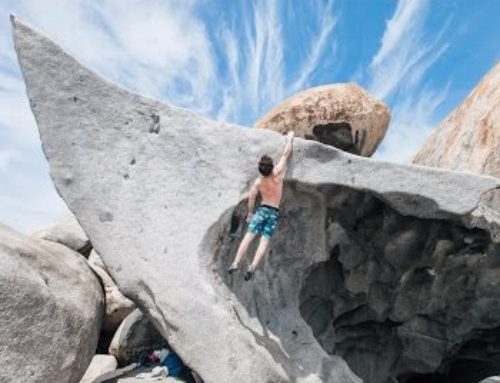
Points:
[(266, 217)]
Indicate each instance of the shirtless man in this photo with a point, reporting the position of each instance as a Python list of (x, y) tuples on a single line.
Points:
[(266, 217)]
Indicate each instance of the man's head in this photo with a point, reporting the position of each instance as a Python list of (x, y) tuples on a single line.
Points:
[(266, 165)]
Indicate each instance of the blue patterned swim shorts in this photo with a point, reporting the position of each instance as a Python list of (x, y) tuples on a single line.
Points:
[(264, 221)]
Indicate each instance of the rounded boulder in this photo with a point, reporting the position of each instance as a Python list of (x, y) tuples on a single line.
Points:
[(51, 305), (341, 115)]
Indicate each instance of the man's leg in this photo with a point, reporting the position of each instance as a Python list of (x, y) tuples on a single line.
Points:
[(259, 254), (261, 250), (249, 236)]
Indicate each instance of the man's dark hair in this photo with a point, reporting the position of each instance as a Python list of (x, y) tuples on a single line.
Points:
[(266, 165)]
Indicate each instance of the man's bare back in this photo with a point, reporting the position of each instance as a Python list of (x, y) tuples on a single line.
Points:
[(271, 189)]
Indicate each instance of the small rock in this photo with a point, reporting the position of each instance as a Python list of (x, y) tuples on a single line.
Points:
[(99, 365), (68, 232)]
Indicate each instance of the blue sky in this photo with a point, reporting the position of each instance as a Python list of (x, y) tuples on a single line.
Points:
[(234, 59)]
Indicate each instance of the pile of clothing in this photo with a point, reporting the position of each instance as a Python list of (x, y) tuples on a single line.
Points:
[(165, 362), (151, 366)]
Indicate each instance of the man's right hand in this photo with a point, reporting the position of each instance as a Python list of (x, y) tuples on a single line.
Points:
[(249, 217)]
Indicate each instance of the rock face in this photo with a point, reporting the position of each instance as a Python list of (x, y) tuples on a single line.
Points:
[(117, 305), (50, 311), (67, 232), (341, 115), (135, 335), (469, 138), (161, 191), (402, 296)]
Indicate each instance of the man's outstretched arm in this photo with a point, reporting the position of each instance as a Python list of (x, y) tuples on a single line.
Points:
[(281, 167), (251, 199)]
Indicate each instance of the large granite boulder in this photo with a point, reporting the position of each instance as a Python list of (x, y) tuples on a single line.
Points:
[(161, 191), (50, 311), (66, 231), (469, 138), (342, 115), (117, 305)]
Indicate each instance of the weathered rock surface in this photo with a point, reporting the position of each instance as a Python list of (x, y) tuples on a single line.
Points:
[(469, 138), (99, 365), (50, 311), (135, 335), (342, 115), (117, 305), (66, 231), (160, 192)]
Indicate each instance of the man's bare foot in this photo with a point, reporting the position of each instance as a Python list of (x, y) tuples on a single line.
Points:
[(232, 269)]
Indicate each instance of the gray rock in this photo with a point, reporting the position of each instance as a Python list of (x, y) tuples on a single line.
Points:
[(68, 232), (161, 193), (50, 311), (99, 365), (117, 305), (135, 336)]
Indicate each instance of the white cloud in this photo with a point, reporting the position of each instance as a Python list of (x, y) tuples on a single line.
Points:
[(265, 53), (319, 42), (412, 121), (397, 75), (406, 52), (258, 79), (6, 157), (405, 21), (153, 47), (254, 63)]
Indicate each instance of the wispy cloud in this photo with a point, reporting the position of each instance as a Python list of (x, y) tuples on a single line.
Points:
[(6, 157), (397, 74), (263, 56), (256, 64), (412, 121), (160, 48), (328, 21), (406, 51)]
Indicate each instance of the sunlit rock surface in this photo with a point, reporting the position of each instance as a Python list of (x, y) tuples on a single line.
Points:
[(341, 115), (469, 138)]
